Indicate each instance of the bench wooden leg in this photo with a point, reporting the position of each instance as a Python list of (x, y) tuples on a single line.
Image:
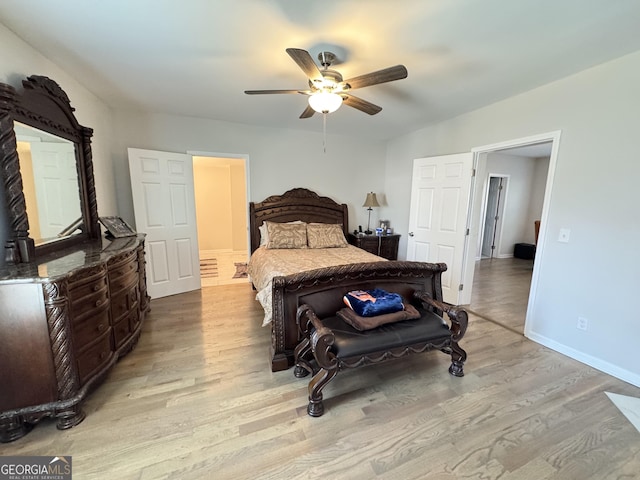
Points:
[(317, 383), (301, 355), (458, 357)]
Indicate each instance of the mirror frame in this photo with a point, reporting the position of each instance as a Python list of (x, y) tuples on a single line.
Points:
[(45, 106)]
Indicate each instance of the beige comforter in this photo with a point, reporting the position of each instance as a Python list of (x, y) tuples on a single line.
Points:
[(265, 264)]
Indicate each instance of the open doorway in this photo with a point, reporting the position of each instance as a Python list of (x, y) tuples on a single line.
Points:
[(503, 281), (493, 213), (221, 212)]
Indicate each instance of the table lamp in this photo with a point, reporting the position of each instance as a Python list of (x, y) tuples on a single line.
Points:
[(370, 202)]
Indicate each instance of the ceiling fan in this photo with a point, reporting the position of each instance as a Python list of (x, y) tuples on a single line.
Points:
[(327, 90)]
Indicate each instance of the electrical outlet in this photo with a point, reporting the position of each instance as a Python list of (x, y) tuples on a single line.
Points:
[(583, 323)]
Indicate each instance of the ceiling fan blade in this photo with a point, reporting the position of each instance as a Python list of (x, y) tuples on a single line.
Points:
[(374, 78), (306, 63), (265, 92), (360, 104), (308, 112)]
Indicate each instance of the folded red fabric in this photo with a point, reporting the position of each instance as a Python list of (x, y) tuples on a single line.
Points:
[(367, 323)]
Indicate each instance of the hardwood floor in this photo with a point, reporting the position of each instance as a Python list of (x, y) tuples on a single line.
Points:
[(196, 400), (501, 291)]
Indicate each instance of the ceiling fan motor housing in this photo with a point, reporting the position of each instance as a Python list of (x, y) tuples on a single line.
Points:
[(331, 80)]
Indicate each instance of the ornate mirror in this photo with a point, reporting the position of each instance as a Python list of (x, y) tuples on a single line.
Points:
[(47, 171)]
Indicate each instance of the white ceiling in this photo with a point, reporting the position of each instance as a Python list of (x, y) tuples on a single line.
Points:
[(196, 57)]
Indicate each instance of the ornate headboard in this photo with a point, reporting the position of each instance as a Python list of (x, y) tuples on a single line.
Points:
[(295, 204)]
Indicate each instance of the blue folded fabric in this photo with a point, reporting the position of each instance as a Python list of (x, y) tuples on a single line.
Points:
[(369, 303)]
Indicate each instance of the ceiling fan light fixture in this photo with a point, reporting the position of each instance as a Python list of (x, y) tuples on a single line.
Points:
[(325, 102)]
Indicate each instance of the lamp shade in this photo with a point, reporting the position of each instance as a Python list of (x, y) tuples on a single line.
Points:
[(325, 102), (371, 200)]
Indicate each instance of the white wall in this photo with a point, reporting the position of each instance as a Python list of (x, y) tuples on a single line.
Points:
[(19, 60), (538, 186), (595, 194), (516, 195), (278, 159)]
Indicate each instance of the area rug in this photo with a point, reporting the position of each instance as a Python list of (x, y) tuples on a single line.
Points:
[(208, 268), (241, 270)]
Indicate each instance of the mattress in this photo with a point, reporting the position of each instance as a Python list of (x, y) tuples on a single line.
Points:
[(265, 264)]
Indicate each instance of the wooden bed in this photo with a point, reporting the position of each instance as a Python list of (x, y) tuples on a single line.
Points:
[(296, 204), (288, 291)]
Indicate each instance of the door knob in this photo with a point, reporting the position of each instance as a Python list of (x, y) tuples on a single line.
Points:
[(411, 234)]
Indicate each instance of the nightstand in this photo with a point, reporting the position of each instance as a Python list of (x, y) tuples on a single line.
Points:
[(385, 246)]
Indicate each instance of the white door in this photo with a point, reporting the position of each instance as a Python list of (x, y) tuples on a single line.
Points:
[(56, 180), (438, 216), (493, 217), (164, 207)]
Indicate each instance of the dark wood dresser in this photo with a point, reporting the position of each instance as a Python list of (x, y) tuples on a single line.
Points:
[(385, 246), (64, 322)]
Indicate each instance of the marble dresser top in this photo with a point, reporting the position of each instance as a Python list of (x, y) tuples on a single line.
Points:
[(61, 263)]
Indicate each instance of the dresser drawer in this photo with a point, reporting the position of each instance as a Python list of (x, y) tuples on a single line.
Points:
[(123, 277), (87, 306), (369, 243), (135, 317), (81, 278), (122, 331), (87, 288), (123, 303), (122, 259), (95, 357), (389, 247), (85, 332), (123, 263)]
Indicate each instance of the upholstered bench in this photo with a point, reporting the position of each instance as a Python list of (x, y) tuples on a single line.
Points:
[(330, 344)]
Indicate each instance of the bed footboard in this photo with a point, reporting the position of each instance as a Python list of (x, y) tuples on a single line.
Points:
[(322, 289)]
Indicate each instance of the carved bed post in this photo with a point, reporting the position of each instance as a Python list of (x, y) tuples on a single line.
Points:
[(279, 359)]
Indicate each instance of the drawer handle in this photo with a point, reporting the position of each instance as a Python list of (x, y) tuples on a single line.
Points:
[(103, 355), (96, 288), (101, 327), (99, 302)]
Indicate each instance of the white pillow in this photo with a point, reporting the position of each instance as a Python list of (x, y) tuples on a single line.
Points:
[(264, 235)]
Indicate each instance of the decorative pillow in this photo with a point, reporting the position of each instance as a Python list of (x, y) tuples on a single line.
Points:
[(264, 236), (325, 235), (286, 235), (367, 323)]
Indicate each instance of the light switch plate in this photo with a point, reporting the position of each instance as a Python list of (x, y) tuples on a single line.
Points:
[(564, 235)]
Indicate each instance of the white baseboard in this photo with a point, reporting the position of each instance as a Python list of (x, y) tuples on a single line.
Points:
[(504, 255), (598, 364), (221, 251)]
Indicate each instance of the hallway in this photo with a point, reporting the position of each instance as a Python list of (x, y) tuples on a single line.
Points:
[(501, 291), (223, 267)]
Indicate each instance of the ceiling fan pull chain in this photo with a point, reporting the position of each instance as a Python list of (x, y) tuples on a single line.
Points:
[(324, 132)]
